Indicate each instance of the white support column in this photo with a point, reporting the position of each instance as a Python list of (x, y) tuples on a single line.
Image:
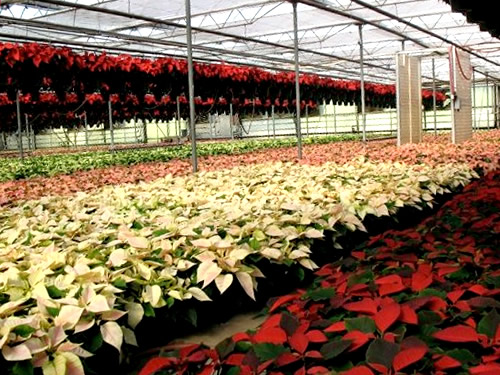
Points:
[(434, 103), (474, 101), (297, 81), (488, 107), (461, 103), (189, 36), (409, 99), (362, 75), (111, 129), (19, 126), (86, 125)]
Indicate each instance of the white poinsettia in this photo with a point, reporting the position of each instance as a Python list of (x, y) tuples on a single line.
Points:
[(68, 264)]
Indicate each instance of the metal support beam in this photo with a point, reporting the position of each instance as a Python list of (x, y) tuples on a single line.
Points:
[(487, 101), (19, 126), (362, 81), (474, 108), (495, 105), (231, 120), (274, 121), (27, 123), (189, 38), (421, 29), (85, 123), (434, 102), (111, 130), (297, 81), (178, 120), (331, 9)]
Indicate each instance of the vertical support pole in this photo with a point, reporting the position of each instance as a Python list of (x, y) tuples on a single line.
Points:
[(19, 126), (495, 105), (326, 116), (390, 123), (32, 137), (362, 73), (178, 122), (474, 109), (231, 120), (487, 101), (112, 133), (425, 119), (335, 118), (189, 36), (211, 125), (274, 121), (85, 123), (27, 122), (168, 122), (267, 123), (297, 80), (307, 119), (434, 102)]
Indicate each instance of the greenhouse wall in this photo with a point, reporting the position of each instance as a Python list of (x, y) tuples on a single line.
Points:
[(328, 119)]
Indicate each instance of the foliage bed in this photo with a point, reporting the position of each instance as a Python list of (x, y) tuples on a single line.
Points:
[(51, 165), (418, 301), (82, 270)]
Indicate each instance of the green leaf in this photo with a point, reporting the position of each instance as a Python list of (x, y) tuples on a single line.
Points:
[(463, 355), (461, 275), (382, 352), (494, 281), (334, 348), (364, 278), (266, 351), (254, 244), (489, 323), (243, 346), (234, 370), (430, 292), (95, 343), (137, 225), (300, 273), (289, 323), (120, 283), (428, 317), (149, 311), (192, 317), (320, 294), (24, 330), (159, 232), (53, 311), (54, 292), (225, 347), (363, 324), (22, 368)]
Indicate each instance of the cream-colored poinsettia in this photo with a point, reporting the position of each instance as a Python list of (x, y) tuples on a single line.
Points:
[(68, 264)]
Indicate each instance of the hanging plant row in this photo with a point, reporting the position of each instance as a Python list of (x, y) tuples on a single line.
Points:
[(37, 68), (90, 267), (418, 301)]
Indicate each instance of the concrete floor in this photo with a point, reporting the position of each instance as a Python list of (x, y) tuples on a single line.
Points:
[(215, 334)]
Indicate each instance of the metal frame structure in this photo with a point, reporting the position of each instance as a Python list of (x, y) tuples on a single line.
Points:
[(349, 39)]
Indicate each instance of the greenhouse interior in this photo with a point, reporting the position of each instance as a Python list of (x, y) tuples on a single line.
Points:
[(275, 187)]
